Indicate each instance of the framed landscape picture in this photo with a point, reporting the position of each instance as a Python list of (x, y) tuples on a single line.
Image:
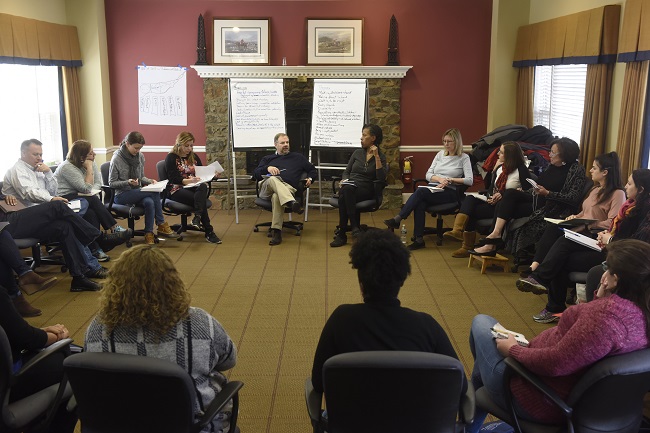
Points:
[(334, 41), (241, 41)]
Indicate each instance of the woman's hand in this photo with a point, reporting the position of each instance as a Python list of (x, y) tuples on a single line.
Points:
[(133, 182), (504, 345), (603, 238), (542, 191), (603, 290), (60, 331), (191, 179), (88, 165), (495, 198), (570, 217), (374, 151)]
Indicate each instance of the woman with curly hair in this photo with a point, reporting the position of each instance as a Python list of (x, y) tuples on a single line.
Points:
[(141, 315)]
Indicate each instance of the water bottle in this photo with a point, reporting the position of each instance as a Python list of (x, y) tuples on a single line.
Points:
[(403, 234)]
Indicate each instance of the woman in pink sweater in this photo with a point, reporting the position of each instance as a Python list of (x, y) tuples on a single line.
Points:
[(585, 334)]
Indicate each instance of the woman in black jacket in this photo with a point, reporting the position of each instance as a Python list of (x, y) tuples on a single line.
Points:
[(180, 163)]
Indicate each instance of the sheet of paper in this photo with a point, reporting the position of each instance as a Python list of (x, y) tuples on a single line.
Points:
[(206, 173), (155, 187), (477, 195), (432, 188), (91, 193), (499, 329), (75, 205), (582, 239)]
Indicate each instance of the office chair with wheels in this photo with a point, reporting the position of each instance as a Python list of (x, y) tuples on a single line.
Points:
[(34, 412), (265, 203), (607, 398), (115, 392), (363, 206), (171, 207), (440, 210), (391, 391), (120, 211)]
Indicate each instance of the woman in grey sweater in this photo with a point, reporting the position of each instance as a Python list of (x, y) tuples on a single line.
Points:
[(126, 176)]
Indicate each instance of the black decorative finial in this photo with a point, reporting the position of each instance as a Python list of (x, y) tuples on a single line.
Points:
[(393, 42), (200, 45)]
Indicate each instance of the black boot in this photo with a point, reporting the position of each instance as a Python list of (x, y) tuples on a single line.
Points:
[(276, 237)]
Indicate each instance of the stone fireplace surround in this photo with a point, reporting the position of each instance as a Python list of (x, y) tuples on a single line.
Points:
[(384, 109)]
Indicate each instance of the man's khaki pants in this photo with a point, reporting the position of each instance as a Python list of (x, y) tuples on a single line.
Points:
[(280, 194)]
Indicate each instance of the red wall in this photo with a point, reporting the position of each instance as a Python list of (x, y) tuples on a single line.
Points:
[(446, 41)]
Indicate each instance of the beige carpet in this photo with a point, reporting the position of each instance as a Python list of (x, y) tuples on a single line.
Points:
[(273, 301)]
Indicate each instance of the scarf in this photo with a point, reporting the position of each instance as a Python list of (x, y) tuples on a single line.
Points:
[(133, 161), (501, 181), (623, 213)]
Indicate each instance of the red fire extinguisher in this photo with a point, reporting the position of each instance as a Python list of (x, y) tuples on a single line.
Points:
[(406, 171)]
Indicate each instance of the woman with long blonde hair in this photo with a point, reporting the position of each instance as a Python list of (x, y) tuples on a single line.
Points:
[(145, 310)]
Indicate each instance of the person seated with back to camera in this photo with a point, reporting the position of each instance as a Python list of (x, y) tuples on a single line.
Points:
[(25, 342), (11, 261), (380, 322), (558, 190), (179, 164), (79, 174), (143, 315), (566, 256), (510, 172), (49, 218), (366, 165), (278, 176), (449, 169), (585, 334), (126, 177)]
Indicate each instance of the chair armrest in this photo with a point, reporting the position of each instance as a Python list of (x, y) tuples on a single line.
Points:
[(515, 367), (227, 393), (467, 405), (43, 354), (417, 182), (314, 400)]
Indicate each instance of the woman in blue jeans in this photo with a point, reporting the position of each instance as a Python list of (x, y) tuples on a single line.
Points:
[(449, 169), (126, 176)]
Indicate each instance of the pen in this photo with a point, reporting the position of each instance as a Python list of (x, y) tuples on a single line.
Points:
[(283, 169)]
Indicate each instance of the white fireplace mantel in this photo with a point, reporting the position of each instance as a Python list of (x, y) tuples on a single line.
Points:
[(250, 71)]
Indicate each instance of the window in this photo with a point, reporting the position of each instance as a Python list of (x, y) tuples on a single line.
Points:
[(30, 108), (559, 98)]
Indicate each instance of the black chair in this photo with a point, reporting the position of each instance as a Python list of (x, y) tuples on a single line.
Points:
[(391, 391), (440, 210), (363, 206), (608, 398), (120, 211), (122, 393), (265, 203), (171, 207), (34, 412)]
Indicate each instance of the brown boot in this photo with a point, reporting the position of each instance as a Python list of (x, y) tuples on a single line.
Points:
[(166, 231), (468, 244), (459, 225), (31, 282), (24, 308)]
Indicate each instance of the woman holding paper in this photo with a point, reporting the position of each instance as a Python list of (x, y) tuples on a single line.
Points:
[(180, 165), (366, 165), (126, 176), (449, 169), (632, 222), (511, 173), (601, 205), (78, 177), (560, 355)]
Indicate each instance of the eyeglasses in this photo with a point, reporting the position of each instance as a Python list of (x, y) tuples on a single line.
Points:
[(448, 141), (551, 154), (604, 266)]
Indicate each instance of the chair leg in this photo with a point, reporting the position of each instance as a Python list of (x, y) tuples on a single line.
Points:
[(439, 229)]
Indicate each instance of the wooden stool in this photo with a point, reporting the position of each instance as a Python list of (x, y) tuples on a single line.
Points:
[(497, 260)]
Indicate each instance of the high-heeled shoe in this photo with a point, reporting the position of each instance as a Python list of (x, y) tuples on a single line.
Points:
[(490, 253)]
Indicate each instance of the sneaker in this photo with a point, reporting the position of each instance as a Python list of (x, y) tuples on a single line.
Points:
[(416, 245), (24, 308), (83, 284), (391, 223), (101, 256), (339, 241), (166, 231), (545, 316), (108, 241), (355, 232), (100, 273), (212, 238), (149, 238), (196, 223), (119, 229), (530, 284)]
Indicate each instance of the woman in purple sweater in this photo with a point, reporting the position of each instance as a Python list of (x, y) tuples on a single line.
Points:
[(585, 334)]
